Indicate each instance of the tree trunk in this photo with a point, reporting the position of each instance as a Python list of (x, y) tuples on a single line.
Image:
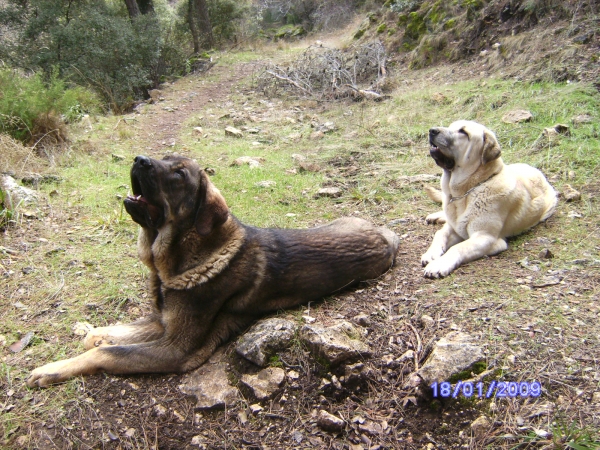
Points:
[(204, 22), (193, 27), (132, 8)]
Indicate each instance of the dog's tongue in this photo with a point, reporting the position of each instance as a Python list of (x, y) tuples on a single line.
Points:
[(153, 211)]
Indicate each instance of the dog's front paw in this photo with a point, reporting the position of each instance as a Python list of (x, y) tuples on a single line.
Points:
[(46, 375), (438, 269), (431, 255), (438, 217)]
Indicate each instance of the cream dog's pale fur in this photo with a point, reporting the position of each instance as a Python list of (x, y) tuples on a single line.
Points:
[(484, 201)]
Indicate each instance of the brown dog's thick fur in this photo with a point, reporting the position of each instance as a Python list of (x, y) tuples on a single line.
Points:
[(211, 276)]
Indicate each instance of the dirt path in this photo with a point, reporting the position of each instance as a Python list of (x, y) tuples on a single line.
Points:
[(163, 119)]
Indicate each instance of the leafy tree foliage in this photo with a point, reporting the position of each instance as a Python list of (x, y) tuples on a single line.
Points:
[(92, 43)]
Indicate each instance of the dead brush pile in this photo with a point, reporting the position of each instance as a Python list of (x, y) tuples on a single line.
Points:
[(17, 159), (323, 73)]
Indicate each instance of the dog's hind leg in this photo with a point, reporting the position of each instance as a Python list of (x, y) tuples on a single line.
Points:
[(143, 330)]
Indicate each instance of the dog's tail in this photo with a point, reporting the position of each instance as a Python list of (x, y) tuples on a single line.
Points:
[(434, 194)]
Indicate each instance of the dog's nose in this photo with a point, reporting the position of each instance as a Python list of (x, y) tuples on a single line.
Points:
[(434, 132), (142, 161)]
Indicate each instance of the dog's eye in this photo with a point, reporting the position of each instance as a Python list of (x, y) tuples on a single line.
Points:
[(462, 130), (180, 173)]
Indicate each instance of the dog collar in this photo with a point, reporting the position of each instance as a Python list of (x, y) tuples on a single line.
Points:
[(472, 189)]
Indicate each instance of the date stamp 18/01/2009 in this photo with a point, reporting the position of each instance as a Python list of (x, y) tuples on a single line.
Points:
[(495, 389)]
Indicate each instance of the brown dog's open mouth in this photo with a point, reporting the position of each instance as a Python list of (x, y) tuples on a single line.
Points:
[(440, 159), (140, 209)]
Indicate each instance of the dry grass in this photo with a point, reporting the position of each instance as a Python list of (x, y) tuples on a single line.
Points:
[(18, 159)]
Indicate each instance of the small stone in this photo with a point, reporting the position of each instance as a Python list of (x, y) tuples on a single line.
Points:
[(582, 119), (570, 194), (234, 132), (266, 184), (116, 157), (331, 192), (408, 355), (293, 375), (596, 397), (198, 440), (427, 321), (480, 426), (255, 408), (251, 161), (304, 166), (517, 116), (159, 410), (520, 421), (546, 254), (329, 422), (198, 130), (265, 383), (317, 135), (130, 432), (363, 320)]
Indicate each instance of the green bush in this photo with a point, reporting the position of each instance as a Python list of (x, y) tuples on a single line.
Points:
[(27, 101)]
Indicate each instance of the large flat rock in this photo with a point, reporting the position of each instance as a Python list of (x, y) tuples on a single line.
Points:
[(210, 384)]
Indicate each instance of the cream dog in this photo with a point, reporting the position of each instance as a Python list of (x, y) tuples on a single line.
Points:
[(484, 201)]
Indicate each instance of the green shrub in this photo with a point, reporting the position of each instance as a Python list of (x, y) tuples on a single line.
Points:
[(27, 102)]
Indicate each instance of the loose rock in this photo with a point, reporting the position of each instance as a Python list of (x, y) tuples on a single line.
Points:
[(338, 343), (570, 194), (427, 321), (234, 132), (252, 161), (209, 383), (266, 184), (329, 422), (265, 338), (265, 383), (480, 426), (331, 192), (17, 193), (517, 116), (452, 354)]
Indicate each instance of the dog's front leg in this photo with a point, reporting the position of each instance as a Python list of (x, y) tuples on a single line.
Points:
[(477, 246), (444, 238), (160, 356)]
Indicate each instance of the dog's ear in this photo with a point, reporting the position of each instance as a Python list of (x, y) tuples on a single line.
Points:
[(491, 148), (212, 210)]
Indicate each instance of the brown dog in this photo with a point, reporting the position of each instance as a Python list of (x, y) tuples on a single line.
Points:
[(212, 276)]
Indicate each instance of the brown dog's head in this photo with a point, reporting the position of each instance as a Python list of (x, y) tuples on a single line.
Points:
[(464, 144), (174, 190)]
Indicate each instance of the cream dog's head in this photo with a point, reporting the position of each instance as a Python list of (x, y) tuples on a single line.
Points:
[(463, 144)]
